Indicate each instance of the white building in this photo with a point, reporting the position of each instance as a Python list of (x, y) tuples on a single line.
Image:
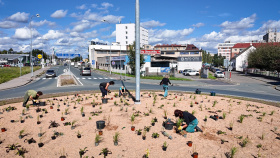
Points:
[(240, 62), (272, 37), (125, 34), (224, 49)]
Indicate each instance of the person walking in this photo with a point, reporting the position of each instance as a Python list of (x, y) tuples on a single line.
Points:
[(32, 95), (191, 121), (104, 87), (164, 82)]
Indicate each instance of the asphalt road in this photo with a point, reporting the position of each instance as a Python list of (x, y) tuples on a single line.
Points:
[(258, 90)]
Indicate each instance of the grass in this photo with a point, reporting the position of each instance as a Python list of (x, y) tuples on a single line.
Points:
[(149, 77), (233, 151), (210, 76), (9, 73)]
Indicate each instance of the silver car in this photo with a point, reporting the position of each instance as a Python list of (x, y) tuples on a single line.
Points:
[(85, 71), (50, 73)]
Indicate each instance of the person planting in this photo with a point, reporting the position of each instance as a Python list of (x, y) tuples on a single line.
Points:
[(31, 94), (104, 87), (191, 121), (121, 91)]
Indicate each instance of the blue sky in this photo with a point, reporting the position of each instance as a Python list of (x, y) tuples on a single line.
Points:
[(68, 25)]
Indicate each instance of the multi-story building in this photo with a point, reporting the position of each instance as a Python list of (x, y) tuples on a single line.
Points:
[(224, 49), (272, 37), (125, 34)]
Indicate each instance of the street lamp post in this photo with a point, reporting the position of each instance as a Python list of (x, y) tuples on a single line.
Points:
[(110, 47), (31, 64)]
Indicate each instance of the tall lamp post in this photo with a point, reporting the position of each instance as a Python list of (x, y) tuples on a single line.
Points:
[(31, 62), (110, 46)]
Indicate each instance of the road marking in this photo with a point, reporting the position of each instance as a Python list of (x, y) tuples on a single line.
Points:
[(77, 78), (95, 78), (89, 78), (83, 78), (43, 78), (50, 78), (105, 78), (100, 78), (55, 78)]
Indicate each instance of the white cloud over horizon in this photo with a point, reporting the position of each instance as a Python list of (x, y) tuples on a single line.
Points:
[(59, 14)]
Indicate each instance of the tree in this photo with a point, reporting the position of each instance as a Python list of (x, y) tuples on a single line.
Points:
[(206, 57), (10, 50), (218, 60), (77, 59), (132, 58), (266, 57), (35, 52)]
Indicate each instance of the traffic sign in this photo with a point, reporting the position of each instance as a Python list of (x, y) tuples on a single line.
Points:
[(230, 68), (20, 59), (39, 56), (47, 61), (150, 52), (113, 63)]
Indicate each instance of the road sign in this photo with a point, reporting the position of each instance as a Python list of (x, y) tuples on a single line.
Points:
[(230, 68), (113, 63), (226, 63), (47, 61), (20, 59), (150, 52), (20, 65), (39, 56)]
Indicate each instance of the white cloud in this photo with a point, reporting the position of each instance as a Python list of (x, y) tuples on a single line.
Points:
[(94, 5), (151, 24), (8, 24), (53, 34), (82, 7), (19, 17), (2, 3), (106, 5), (112, 18), (213, 36), (59, 14), (198, 25), (82, 25), (24, 33), (43, 22)]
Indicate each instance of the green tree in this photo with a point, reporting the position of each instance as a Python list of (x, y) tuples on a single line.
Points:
[(206, 57), (266, 57), (35, 52), (77, 59), (218, 60), (132, 58), (10, 50)]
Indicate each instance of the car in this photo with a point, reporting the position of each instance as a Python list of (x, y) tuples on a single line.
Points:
[(50, 73), (216, 69), (6, 65), (192, 73), (65, 64), (185, 71), (85, 71), (219, 74)]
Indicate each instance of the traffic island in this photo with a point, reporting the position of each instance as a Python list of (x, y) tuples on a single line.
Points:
[(67, 80)]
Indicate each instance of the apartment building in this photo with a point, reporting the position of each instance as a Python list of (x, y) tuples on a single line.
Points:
[(125, 34), (224, 49), (272, 37)]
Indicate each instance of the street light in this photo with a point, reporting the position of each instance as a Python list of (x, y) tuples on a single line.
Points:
[(110, 47), (37, 15)]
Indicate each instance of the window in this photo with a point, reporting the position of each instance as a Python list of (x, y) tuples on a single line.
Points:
[(125, 27), (125, 32), (126, 42), (126, 37)]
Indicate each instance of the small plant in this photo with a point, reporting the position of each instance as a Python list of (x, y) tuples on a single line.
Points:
[(97, 138), (66, 111), (126, 109), (262, 136), (191, 104), (214, 104), (259, 145), (21, 152), (82, 152), (241, 117), (121, 108), (200, 107), (263, 114), (21, 133), (221, 132), (105, 152), (73, 123), (82, 109), (161, 106), (116, 137), (150, 111), (233, 151), (231, 125), (165, 113), (272, 112), (174, 105), (244, 142), (179, 122), (155, 135), (224, 115), (115, 103), (165, 144), (132, 118), (193, 112), (147, 153)]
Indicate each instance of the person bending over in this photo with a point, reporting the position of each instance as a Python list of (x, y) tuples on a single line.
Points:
[(104, 88), (32, 95), (191, 121), (121, 91)]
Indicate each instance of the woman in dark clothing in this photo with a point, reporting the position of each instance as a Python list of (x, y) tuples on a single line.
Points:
[(191, 121), (164, 82), (104, 87)]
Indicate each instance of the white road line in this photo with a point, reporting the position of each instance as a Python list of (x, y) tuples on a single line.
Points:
[(50, 78), (95, 78), (43, 78), (89, 78), (100, 78), (105, 78), (77, 78), (83, 78), (55, 78)]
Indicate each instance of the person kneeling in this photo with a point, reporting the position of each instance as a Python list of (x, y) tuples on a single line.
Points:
[(189, 119)]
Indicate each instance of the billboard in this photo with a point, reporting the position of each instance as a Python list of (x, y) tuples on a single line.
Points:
[(150, 52), (62, 55), (190, 59)]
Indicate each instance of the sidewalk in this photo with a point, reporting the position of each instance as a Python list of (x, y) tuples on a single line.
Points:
[(23, 80)]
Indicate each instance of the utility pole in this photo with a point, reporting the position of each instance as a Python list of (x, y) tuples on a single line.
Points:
[(137, 52)]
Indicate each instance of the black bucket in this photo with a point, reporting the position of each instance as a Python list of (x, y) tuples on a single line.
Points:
[(104, 101), (42, 103), (168, 125), (100, 124)]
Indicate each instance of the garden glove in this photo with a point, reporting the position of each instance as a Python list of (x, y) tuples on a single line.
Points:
[(180, 128)]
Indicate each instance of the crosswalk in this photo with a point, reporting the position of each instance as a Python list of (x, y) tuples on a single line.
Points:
[(83, 78)]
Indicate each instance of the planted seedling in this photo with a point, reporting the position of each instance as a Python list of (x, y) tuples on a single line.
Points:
[(191, 104), (241, 117), (155, 135), (165, 114), (271, 113), (147, 128), (105, 152), (12, 147), (38, 120), (193, 112), (230, 125), (53, 124), (164, 146), (97, 139), (73, 124), (139, 131), (21, 134), (21, 152), (144, 135), (79, 134), (224, 115), (153, 122), (244, 142), (116, 138), (220, 132), (82, 152)]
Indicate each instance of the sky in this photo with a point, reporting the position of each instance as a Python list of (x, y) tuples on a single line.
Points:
[(68, 25)]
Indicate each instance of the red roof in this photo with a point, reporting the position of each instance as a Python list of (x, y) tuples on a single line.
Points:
[(191, 47), (246, 45), (170, 45)]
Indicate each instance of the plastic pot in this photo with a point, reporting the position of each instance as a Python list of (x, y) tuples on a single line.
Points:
[(51, 107), (144, 137), (53, 137), (79, 136), (132, 128), (189, 143), (83, 115), (104, 101), (164, 148), (41, 145), (153, 124), (100, 133), (62, 118), (100, 124), (96, 144), (21, 121), (38, 122), (116, 143), (42, 103), (195, 155)]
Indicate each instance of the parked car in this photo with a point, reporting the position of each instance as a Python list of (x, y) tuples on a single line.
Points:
[(50, 73), (6, 65), (219, 74), (216, 69), (85, 71), (185, 71), (192, 73)]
